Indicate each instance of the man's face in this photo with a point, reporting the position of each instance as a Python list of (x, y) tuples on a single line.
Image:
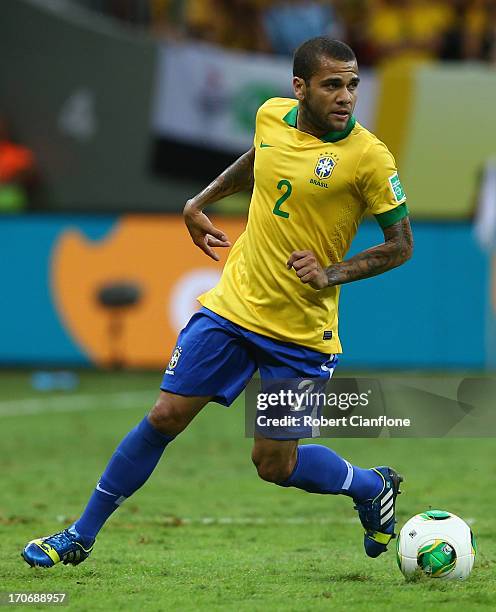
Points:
[(329, 97)]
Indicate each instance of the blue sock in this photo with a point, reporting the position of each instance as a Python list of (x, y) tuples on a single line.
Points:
[(129, 468), (319, 469)]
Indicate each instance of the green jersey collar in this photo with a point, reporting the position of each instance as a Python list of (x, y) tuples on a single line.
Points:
[(291, 116)]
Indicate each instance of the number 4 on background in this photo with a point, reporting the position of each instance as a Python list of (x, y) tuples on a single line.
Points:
[(284, 183)]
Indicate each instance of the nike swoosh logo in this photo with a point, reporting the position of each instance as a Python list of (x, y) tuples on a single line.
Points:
[(263, 145), (99, 488)]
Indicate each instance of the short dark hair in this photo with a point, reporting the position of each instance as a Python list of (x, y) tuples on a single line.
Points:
[(306, 58)]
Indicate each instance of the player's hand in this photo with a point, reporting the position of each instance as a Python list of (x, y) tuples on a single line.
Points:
[(308, 269), (202, 232)]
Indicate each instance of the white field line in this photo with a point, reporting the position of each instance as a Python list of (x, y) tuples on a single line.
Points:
[(231, 520), (240, 520), (72, 402), (173, 521)]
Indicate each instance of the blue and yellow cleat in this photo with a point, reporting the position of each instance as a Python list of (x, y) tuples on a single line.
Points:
[(66, 546), (378, 515)]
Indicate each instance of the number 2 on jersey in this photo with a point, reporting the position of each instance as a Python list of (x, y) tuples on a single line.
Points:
[(284, 183)]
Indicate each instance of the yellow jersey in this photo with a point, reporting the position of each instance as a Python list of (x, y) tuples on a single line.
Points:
[(309, 194)]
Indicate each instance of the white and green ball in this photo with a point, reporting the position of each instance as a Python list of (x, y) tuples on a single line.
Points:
[(438, 543)]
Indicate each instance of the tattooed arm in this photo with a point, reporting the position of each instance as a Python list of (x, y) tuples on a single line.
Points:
[(238, 177), (395, 251)]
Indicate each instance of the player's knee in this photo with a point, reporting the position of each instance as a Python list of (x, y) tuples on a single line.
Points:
[(167, 417), (272, 468)]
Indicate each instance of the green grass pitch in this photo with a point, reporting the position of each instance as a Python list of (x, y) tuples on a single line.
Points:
[(205, 533)]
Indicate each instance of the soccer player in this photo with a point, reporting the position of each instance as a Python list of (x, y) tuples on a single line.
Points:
[(314, 172)]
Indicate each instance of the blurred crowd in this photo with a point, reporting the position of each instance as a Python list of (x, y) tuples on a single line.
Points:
[(378, 30), (18, 176)]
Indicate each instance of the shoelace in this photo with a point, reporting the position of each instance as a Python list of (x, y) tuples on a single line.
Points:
[(59, 538), (369, 513)]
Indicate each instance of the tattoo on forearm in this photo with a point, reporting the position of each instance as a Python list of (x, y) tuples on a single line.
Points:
[(396, 250), (237, 177)]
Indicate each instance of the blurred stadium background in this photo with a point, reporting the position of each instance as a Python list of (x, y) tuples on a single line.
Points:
[(118, 111), (114, 112)]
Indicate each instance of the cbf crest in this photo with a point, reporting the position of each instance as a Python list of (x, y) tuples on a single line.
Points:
[(324, 167), (175, 358)]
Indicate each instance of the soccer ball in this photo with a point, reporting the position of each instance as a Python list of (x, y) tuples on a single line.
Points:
[(438, 543)]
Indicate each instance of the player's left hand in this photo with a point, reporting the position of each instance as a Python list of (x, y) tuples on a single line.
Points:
[(308, 269)]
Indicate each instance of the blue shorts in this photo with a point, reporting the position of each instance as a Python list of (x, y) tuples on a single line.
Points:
[(217, 358)]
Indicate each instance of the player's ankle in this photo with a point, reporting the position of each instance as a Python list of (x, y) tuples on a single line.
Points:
[(86, 539), (366, 484)]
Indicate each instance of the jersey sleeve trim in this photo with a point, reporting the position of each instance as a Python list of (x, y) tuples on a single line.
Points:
[(390, 217)]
